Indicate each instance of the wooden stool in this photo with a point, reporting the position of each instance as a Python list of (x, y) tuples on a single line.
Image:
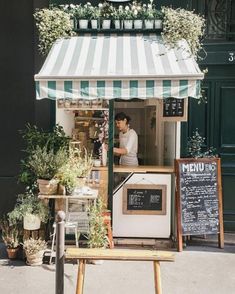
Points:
[(107, 221)]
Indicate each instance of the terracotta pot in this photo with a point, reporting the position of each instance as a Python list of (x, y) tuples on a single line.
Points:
[(47, 187), (12, 252)]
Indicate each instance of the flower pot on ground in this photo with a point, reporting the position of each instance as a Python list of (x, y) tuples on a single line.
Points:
[(12, 253), (34, 250), (11, 237)]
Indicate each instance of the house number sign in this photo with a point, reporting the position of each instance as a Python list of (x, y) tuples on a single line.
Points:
[(231, 56)]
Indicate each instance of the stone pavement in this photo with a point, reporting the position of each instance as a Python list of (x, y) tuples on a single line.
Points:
[(200, 268)]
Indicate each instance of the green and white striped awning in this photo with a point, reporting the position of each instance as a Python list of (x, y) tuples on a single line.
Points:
[(118, 66)]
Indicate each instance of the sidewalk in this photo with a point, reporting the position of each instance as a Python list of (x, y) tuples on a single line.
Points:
[(198, 269)]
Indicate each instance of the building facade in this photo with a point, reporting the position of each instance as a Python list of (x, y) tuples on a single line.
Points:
[(20, 61)]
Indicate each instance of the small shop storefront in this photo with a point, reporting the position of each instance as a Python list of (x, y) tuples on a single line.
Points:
[(94, 77)]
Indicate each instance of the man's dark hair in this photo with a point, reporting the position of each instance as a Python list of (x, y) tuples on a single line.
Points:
[(122, 116)]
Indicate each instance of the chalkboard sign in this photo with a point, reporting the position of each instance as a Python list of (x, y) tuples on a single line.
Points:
[(174, 109), (144, 199), (199, 199)]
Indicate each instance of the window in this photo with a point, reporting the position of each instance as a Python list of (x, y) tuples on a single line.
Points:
[(220, 15)]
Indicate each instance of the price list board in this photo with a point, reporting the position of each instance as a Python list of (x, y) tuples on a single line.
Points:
[(174, 109), (144, 199), (199, 197)]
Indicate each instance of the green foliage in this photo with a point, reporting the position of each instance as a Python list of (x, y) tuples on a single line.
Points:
[(28, 203), (194, 147), (97, 236), (38, 138), (52, 24), (10, 233), (44, 164), (33, 246), (77, 165)]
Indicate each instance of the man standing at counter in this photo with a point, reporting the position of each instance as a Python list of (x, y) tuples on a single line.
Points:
[(128, 141)]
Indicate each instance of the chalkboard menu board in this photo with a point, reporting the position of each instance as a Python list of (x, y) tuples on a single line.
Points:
[(174, 109), (199, 196), (144, 199)]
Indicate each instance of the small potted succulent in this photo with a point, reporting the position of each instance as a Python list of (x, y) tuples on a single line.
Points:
[(34, 250), (10, 236), (29, 210)]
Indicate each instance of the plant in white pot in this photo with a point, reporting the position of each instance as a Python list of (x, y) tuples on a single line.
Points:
[(128, 18), (34, 250), (149, 15), (95, 17), (29, 210), (10, 237), (83, 14), (137, 15), (106, 14)]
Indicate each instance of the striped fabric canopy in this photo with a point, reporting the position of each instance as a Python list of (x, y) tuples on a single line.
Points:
[(118, 66)]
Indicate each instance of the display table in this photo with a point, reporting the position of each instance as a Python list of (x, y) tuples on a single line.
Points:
[(61, 201)]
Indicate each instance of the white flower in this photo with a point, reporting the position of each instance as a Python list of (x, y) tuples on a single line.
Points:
[(127, 8), (100, 5)]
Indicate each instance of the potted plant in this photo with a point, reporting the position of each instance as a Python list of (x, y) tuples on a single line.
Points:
[(158, 18), (75, 170), (195, 147), (69, 9), (97, 235), (33, 137), (181, 24), (83, 14), (106, 14), (137, 15), (118, 15), (52, 24), (44, 164), (34, 250), (95, 17), (128, 18), (149, 15), (29, 210), (10, 236)]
